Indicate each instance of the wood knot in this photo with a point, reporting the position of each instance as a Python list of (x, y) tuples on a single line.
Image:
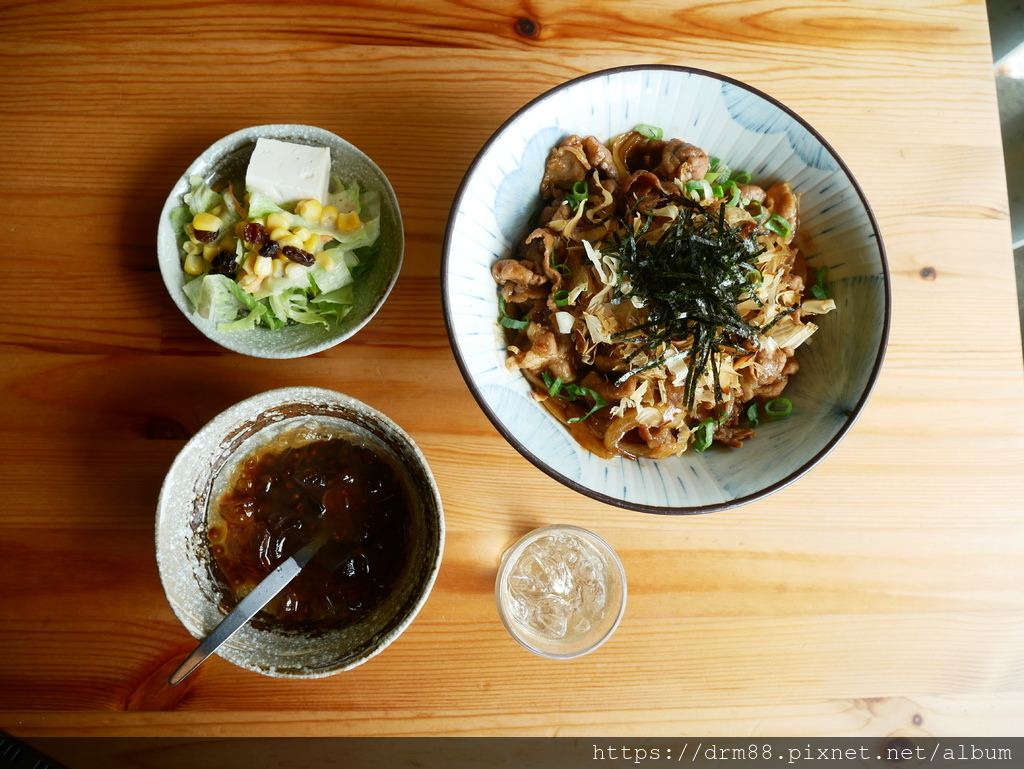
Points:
[(527, 27), (928, 273)]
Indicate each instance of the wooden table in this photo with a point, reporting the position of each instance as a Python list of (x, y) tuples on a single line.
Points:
[(880, 594)]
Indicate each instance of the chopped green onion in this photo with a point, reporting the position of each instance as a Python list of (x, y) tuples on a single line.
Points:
[(561, 297), (754, 277), (778, 408), (778, 225), (753, 418), (650, 131), (519, 325), (704, 434), (818, 290), (717, 191), (508, 322), (572, 392), (580, 192), (701, 187), (735, 195), (554, 385), (599, 403), (562, 269), (742, 177), (713, 163)]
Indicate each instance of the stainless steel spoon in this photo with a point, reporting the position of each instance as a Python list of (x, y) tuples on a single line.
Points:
[(247, 608)]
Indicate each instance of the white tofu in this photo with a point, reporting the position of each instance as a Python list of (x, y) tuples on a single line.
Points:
[(288, 173)]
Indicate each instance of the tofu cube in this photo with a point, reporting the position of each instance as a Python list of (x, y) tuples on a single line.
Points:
[(288, 173)]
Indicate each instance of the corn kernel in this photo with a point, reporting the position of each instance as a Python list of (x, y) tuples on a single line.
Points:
[(191, 248), (349, 222), (210, 250), (249, 282), (194, 264), (228, 244), (301, 233), (291, 240), (207, 222), (279, 267), (249, 264), (326, 261), (217, 210), (278, 219), (263, 266), (294, 270), (309, 210), (312, 243), (240, 230), (329, 216), (279, 232)]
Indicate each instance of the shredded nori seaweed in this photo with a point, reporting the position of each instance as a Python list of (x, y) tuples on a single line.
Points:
[(691, 279)]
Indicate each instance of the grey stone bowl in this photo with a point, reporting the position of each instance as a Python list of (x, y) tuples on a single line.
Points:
[(186, 565), (227, 159)]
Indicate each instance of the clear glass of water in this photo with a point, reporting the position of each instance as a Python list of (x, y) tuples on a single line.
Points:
[(561, 591)]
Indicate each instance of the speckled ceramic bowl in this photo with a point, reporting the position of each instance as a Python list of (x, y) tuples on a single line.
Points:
[(187, 569), (227, 160), (748, 130)]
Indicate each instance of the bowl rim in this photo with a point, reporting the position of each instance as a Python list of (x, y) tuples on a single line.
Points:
[(226, 144), (227, 422), (460, 360)]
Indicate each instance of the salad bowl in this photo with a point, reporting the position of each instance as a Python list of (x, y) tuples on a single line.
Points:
[(749, 130), (226, 161)]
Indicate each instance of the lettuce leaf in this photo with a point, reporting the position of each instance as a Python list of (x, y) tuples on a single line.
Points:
[(261, 206), (344, 198), (250, 321), (294, 305), (218, 297), (201, 197), (180, 216), (336, 304), (340, 276)]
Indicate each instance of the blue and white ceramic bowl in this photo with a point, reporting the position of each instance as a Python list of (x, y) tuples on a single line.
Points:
[(749, 130)]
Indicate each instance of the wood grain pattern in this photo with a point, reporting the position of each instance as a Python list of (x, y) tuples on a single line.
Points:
[(880, 594)]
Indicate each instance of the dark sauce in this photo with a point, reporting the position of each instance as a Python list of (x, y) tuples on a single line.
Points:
[(282, 494)]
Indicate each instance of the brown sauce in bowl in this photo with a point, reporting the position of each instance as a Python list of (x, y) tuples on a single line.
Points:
[(280, 497)]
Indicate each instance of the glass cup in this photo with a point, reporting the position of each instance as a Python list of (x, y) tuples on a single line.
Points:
[(561, 591)]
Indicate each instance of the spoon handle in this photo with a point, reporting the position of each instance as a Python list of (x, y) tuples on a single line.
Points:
[(247, 608)]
